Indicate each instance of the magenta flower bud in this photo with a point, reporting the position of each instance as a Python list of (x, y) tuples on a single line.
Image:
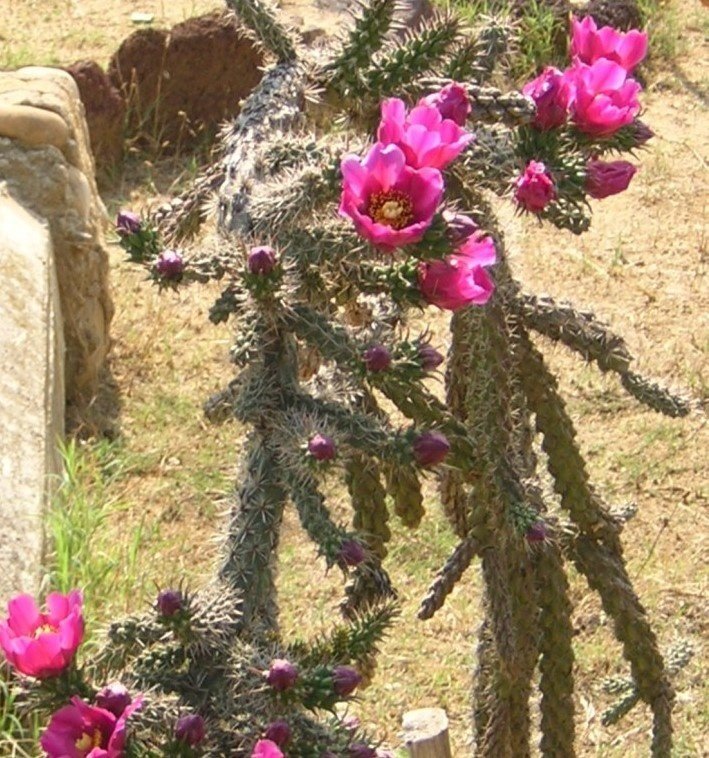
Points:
[(537, 532), (362, 750), (352, 553), (127, 223), (345, 680), (113, 698), (262, 260), (377, 358), (190, 729), (642, 132), (429, 357), (606, 178), (170, 265), (281, 675), (430, 448), (460, 227), (169, 602), (266, 749), (278, 732), (322, 447), (535, 188), (452, 102), (552, 95)]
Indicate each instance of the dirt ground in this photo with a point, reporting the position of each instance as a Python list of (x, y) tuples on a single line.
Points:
[(642, 268)]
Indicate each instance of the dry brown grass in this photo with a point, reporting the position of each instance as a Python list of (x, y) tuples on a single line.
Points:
[(642, 267)]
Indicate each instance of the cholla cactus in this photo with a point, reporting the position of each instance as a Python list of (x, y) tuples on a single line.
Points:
[(416, 228)]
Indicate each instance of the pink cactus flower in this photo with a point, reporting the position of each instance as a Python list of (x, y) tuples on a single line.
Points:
[(552, 95), (266, 749), (605, 98), (534, 189), (589, 44), (606, 178), (427, 139), (460, 279), (42, 644), (390, 203), (452, 102), (80, 730), (459, 227)]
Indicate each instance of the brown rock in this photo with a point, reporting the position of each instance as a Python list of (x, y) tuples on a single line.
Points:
[(105, 112), (181, 84)]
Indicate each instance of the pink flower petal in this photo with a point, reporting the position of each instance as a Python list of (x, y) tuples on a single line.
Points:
[(24, 615)]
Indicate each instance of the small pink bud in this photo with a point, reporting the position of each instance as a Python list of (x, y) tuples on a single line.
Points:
[(262, 260), (322, 447), (537, 532), (113, 698), (170, 265), (429, 357), (460, 227), (281, 675), (552, 95), (169, 602), (190, 729), (452, 102), (362, 750), (345, 680), (127, 223), (430, 448), (642, 132), (606, 178), (278, 732), (535, 188), (377, 358), (352, 553)]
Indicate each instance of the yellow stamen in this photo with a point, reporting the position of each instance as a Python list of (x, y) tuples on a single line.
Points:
[(88, 742), (45, 629), (391, 208)]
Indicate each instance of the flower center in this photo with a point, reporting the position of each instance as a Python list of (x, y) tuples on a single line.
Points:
[(45, 629), (88, 742), (392, 208)]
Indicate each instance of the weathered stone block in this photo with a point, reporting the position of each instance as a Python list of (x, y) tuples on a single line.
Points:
[(31, 391), (53, 176)]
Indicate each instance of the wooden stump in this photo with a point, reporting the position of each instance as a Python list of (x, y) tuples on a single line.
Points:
[(426, 733)]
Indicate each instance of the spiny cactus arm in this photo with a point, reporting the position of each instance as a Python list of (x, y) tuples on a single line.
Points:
[(124, 638), (413, 400), (368, 497), (585, 334), (448, 577), (605, 573), (476, 57), (678, 656), (492, 106), (248, 562), (557, 656), (294, 194), (351, 643), (261, 17), (364, 40), (566, 464), (369, 586), (419, 54), (404, 486), (274, 107), (314, 514)]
